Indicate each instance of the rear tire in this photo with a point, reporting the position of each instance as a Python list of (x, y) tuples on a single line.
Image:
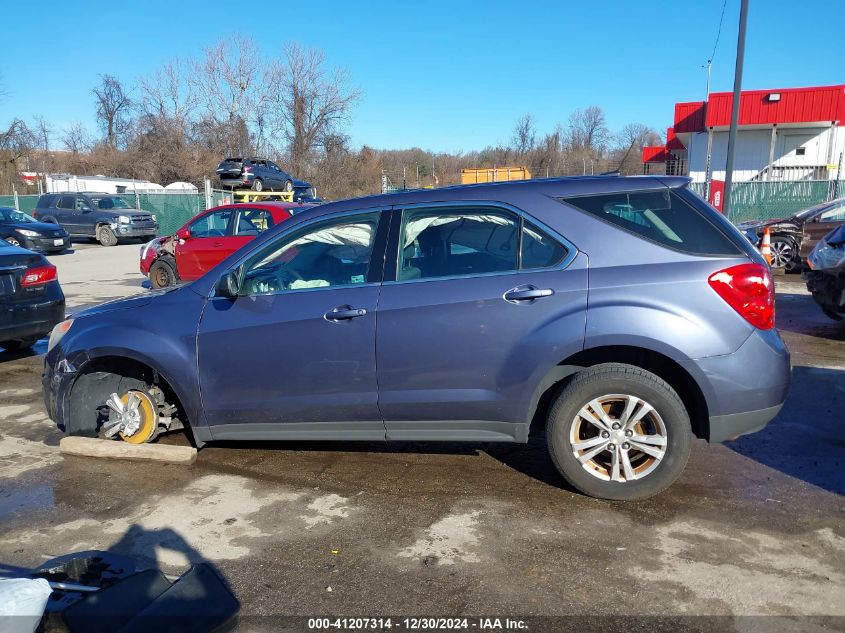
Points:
[(18, 345), (636, 474), (162, 274), (13, 241), (258, 185), (288, 186), (106, 236)]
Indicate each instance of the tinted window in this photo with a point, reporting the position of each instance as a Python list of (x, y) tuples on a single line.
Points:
[(538, 249), (449, 242), (211, 225), (661, 217), (331, 253), (67, 202), (45, 201), (253, 221), (111, 202)]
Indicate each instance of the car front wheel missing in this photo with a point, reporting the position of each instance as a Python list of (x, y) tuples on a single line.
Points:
[(619, 432)]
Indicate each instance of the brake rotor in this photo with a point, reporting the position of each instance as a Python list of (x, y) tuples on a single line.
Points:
[(132, 416)]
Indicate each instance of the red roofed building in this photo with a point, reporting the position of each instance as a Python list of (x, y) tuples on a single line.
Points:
[(783, 134)]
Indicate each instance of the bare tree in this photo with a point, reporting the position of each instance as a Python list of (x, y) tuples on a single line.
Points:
[(588, 130), (76, 139), (314, 102), (167, 94), (16, 143), (113, 108), (524, 137)]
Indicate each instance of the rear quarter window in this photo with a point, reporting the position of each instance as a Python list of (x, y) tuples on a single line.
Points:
[(662, 217)]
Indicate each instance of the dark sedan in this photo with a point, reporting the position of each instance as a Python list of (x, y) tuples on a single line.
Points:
[(20, 229), (31, 300), (793, 238)]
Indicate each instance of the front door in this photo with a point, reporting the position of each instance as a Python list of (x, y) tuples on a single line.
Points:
[(206, 246), (483, 303), (816, 228), (294, 355)]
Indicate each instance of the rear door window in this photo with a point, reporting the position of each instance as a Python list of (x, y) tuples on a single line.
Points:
[(661, 217), (253, 221), (67, 202), (538, 249)]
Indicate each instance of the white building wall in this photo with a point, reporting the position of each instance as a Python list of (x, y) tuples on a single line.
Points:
[(752, 151)]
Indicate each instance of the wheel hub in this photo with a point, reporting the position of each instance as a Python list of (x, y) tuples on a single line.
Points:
[(133, 416), (618, 437)]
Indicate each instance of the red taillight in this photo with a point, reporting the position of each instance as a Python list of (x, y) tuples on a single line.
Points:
[(38, 276), (247, 170), (748, 289)]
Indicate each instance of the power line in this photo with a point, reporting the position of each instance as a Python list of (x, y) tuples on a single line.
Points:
[(719, 32)]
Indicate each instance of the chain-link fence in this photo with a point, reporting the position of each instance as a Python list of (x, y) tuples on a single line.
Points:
[(172, 210), (770, 200)]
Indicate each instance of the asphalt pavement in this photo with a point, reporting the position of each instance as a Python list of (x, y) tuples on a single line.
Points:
[(754, 527)]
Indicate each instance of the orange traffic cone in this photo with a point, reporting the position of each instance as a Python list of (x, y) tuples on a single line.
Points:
[(766, 246)]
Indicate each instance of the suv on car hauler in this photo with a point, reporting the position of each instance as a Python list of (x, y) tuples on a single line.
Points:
[(626, 313), (104, 216)]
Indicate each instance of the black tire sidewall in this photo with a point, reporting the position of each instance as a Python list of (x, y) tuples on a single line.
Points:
[(171, 274), (666, 402), (111, 239), (288, 186), (257, 185)]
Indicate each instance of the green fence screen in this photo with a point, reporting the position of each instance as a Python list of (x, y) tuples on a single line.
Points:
[(770, 200)]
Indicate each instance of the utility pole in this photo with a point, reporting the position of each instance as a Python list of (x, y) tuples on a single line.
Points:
[(740, 58)]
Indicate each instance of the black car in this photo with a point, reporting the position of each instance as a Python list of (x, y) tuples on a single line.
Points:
[(258, 174), (104, 216), (794, 237), (31, 300), (20, 229)]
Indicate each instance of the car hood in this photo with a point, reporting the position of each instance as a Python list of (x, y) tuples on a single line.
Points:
[(136, 301), (38, 227)]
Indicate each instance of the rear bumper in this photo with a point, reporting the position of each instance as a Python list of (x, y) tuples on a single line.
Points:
[(746, 389), (34, 318)]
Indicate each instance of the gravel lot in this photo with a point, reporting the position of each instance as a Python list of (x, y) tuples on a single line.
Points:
[(754, 527)]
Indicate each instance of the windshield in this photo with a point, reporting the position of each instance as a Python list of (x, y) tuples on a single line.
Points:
[(111, 202), (13, 215)]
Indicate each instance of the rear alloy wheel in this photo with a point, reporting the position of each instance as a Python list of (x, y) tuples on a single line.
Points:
[(106, 236), (257, 185), (783, 254), (619, 432), (13, 241), (288, 186), (162, 274), (133, 417)]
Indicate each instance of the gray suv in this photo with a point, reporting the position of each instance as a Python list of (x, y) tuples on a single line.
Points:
[(106, 217), (625, 314)]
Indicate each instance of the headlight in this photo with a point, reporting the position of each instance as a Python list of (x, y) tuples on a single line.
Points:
[(27, 232), (155, 219), (58, 333), (124, 219)]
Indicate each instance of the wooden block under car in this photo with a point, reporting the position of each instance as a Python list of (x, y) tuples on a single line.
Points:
[(111, 449)]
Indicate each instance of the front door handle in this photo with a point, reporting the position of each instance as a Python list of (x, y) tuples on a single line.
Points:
[(527, 293), (344, 313)]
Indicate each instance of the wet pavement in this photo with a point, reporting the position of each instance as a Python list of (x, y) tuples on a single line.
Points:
[(753, 527)]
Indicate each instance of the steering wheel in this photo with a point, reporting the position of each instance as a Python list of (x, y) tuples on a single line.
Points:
[(272, 279)]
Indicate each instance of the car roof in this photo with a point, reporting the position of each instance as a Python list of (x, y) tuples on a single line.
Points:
[(502, 191)]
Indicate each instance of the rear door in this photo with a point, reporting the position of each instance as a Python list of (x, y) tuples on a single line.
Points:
[(479, 298), (248, 224), (63, 211), (206, 247), (820, 226)]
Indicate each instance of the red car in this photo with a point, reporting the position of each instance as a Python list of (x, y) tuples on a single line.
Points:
[(209, 238)]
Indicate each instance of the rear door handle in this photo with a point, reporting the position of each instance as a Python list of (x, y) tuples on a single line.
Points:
[(527, 293), (344, 313)]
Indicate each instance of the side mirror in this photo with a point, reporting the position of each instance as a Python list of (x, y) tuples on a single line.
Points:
[(184, 233), (229, 285)]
